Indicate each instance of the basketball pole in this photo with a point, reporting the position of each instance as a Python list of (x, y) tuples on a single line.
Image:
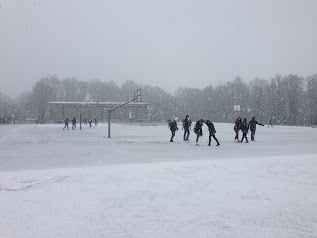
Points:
[(80, 116), (136, 97)]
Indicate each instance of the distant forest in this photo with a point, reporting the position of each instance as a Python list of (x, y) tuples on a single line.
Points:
[(291, 100)]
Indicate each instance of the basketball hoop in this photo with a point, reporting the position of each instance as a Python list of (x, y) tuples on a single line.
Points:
[(236, 108)]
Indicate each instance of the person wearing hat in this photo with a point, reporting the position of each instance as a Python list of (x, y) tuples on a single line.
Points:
[(198, 129), (186, 128), (212, 132), (252, 126), (173, 128)]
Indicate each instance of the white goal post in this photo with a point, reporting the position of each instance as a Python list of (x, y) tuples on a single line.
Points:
[(135, 98)]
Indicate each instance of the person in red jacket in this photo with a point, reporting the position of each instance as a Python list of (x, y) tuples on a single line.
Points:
[(237, 127)]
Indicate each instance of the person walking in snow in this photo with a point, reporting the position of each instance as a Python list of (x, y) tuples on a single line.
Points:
[(271, 122), (74, 123), (245, 130), (190, 124), (66, 123), (90, 121), (96, 121), (252, 126), (186, 128), (198, 129), (212, 132), (236, 128), (173, 128)]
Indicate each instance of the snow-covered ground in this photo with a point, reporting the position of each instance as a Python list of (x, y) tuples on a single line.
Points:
[(56, 183)]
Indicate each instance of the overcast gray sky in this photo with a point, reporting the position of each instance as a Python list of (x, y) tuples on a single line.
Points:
[(166, 43)]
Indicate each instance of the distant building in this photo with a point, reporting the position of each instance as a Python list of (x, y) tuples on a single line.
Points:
[(133, 112)]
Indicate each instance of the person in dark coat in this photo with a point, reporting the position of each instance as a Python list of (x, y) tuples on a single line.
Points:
[(252, 126), (90, 121), (236, 128), (190, 124), (66, 123), (198, 129), (173, 128), (245, 130), (186, 128), (74, 123), (212, 132)]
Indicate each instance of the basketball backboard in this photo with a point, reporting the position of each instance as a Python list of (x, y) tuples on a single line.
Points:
[(236, 108), (137, 95)]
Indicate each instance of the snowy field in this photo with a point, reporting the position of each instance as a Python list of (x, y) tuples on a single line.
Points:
[(80, 184)]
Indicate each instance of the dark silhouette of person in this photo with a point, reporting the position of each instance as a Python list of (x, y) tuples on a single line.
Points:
[(74, 123), (186, 128), (90, 121), (252, 126), (173, 128), (245, 130), (212, 132), (190, 124), (271, 122), (66, 123), (236, 128), (198, 129)]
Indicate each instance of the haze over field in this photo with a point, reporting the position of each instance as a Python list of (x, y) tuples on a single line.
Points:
[(161, 43)]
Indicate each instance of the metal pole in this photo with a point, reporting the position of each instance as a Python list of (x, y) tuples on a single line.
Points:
[(109, 113), (112, 109), (82, 114)]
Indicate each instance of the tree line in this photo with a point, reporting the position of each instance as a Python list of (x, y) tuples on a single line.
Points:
[(291, 99)]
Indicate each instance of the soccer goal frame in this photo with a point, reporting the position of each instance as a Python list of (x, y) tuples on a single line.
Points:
[(136, 97)]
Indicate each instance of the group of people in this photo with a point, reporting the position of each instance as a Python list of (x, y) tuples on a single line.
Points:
[(197, 129), (244, 126), (240, 124), (90, 121), (66, 121), (74, 121)]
